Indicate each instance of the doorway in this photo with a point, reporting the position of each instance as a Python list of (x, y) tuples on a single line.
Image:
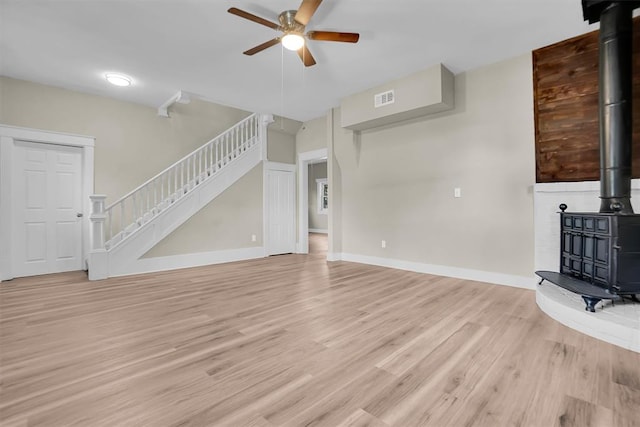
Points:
[(304, 160), (45, 182), (318, 198)]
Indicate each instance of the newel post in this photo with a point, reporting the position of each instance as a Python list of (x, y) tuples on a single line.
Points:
[(265, 121), (98, 256), (97, 219)]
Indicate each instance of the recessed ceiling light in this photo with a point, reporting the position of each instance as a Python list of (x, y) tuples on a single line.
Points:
[(118, 79)]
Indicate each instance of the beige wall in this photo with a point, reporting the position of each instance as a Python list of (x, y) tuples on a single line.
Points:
[(312, 135), (282, 140), (281, 147), (316, 220), (133, 144), (397, 183), (227, 222)]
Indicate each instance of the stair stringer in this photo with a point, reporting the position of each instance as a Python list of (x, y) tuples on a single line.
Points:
[(123, 257)]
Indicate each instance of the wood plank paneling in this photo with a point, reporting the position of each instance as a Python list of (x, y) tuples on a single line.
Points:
[(565, 80)]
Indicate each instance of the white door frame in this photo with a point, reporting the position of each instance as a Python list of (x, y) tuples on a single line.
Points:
[(8, 136), (265, 199), (304, 160)]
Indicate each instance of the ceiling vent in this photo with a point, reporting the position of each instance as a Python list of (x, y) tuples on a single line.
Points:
[(384, 98)]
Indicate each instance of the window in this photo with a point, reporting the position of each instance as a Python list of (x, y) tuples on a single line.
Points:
[(323, 196)]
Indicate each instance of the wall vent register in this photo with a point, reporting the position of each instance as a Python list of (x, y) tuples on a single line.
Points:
[(384, 98)]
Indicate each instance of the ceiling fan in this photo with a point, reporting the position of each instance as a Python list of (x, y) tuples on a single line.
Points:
[(293, 24)]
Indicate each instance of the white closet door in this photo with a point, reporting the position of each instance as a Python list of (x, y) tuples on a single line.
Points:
[(281, 238), (47, 203)]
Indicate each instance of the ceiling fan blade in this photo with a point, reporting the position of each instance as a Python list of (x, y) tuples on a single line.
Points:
[(306, 11), (254, 18), (332, 36), (262, 46), (306, 56)]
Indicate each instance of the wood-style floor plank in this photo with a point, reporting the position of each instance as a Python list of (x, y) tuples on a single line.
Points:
[(295, 341)]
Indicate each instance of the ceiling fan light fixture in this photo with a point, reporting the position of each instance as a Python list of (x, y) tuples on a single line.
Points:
[(292, 41), (118, 79)]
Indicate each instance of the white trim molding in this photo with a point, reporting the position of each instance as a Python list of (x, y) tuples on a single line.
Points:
[(8, 136), (440, 270), (198, 259), (304, 160), (319, 230), (181, 98)]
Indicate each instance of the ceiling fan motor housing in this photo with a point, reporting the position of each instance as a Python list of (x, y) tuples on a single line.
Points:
[(288, 22)]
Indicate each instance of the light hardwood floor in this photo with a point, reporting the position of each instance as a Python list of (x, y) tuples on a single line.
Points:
[(294, 341)]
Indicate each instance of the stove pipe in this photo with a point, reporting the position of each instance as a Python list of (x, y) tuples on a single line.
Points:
[(615, 88), (616, 30)]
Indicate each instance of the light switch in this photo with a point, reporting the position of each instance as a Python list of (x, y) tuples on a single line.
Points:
[(457, 192)]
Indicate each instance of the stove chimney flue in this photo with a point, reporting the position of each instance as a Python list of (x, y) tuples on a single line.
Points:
[(615, 89), (615, 71)]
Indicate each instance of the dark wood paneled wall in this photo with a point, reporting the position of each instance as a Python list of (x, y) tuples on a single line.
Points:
[(565, 83)]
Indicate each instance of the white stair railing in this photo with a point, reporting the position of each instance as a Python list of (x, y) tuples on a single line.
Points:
[(132, 211)]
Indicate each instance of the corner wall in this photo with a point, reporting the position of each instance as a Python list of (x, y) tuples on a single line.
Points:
[(396, 183)]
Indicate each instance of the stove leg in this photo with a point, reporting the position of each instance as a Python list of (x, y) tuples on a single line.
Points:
[(591, 303)]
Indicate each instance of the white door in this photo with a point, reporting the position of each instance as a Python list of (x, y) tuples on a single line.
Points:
[(281, 212), (47, 228)]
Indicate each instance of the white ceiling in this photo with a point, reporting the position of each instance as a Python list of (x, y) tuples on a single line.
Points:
[(196, 46)]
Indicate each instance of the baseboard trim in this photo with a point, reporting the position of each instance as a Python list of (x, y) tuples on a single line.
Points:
[(198, 259), (440, 270), (319, 230), (332, 256)]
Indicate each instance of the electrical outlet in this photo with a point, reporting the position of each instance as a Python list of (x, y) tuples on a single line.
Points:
[(383, 244), (457, 192), (253, 238)]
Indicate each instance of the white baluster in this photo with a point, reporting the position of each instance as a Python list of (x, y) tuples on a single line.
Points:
[(210, 160), (236, 140), (133, 208), (155, 194), (192, 173), (110, 226), (226, 154), (122, 223), (218, 157), (148, 197), (175, 181)]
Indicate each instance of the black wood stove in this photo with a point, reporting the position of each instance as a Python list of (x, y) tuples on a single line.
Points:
[(600, 252)]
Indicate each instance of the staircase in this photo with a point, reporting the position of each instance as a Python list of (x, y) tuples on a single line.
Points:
[(129, 227)]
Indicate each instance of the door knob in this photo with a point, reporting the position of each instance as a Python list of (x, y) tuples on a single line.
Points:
[(79, 214)]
